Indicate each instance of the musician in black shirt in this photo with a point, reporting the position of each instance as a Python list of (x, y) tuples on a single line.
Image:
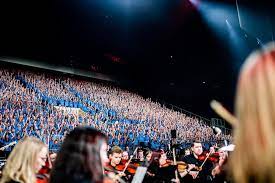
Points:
[(199, 176)]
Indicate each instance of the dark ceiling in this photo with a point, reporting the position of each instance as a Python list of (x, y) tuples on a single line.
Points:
[(162, 48)]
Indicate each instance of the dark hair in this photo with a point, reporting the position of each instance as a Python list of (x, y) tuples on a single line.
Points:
[(155, 158), (79, 157), (195, 141), (147, 151)]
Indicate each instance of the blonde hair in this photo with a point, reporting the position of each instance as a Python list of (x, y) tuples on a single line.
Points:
[(254, 157), (20, 163)]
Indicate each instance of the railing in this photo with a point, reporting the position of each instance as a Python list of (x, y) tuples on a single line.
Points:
[(213, 122), (221, 124)]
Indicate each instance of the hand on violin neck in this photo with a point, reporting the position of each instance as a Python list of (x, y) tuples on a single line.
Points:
[(216, 171), (190, 167), (212, 150)]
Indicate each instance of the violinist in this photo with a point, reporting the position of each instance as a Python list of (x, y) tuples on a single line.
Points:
[(187, 152), (219, 172), (140, 155), (125, 156), (161, 168), (115, 156), (44, 173), (148, 158), (146, 163), (81, 157), (53, 157), (25, 160), (253, 159), (198, 173)]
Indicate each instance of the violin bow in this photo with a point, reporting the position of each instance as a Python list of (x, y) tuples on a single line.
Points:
[(6, 146), (200, 167), (174, 158), (130, 160)]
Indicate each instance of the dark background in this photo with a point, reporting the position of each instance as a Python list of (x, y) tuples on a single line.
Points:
[(170, 50)]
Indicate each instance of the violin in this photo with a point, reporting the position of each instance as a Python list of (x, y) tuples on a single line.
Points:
[(112, 177), (167, 163), (213, 157), (182, 166), (44, 173), (131, 168), (45, 169), (123, 162)]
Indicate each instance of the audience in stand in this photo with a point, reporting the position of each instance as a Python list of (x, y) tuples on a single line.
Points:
[(28, 107)]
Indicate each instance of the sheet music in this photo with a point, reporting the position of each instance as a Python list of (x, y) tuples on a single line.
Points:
[(139, 176)]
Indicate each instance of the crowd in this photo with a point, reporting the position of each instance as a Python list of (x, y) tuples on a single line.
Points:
[(135, 108), (28, 103)]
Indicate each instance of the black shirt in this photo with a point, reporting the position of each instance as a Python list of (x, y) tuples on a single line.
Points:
[(204, 175), (161, 175)]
